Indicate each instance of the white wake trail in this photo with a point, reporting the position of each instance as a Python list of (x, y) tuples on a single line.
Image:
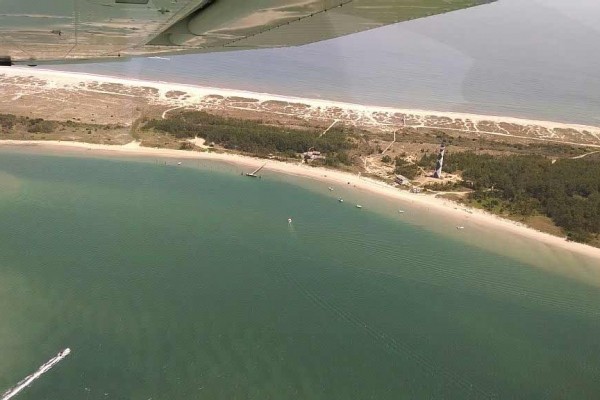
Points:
[(10, 393)]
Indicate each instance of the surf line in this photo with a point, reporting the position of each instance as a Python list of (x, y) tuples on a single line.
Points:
[(29, 379)]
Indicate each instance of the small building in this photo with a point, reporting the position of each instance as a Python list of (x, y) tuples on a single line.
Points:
[(312, 155)]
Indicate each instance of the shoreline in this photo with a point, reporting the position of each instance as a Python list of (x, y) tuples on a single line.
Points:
[(479, 218), (64, 79)]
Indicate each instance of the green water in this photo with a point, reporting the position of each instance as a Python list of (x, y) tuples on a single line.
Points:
[(188, 283)]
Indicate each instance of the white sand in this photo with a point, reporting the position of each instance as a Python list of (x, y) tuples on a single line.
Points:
[(60, 79), (476, 216)]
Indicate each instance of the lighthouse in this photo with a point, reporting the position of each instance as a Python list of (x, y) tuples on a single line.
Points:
[(440, 163)]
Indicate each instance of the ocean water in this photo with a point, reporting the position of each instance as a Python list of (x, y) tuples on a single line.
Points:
[(524, 58), (188, 282)]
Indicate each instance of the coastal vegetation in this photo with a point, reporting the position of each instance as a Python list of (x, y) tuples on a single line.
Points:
[(12, 123), (556, 186), (7, 121), (19, 127), (519, 180), (565, 190), (259, 138), (406, 168)]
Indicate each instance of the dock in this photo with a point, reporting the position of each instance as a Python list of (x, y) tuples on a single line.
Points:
[(254, 173)]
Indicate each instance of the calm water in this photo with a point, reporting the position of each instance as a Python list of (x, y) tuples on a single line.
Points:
[(184, 283), (526, 58)]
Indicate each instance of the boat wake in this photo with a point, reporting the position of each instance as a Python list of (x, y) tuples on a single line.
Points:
[(29, 379)]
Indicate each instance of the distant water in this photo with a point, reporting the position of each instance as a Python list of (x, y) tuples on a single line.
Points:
[(524, 58), (183, 283)]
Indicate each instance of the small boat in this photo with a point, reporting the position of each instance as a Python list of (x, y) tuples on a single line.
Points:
[(340, 200), (179, 163), (358, 206), (460, 227), (400, 211), (289, 220), (330, 189)]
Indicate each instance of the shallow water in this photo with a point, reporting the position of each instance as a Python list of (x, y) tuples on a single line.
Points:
[(188, 282)]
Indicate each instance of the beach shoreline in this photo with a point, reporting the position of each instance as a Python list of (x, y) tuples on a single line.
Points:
[(445, 207), (24, 84), (265, 96)]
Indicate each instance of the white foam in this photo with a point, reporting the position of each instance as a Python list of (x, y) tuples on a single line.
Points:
[(10, 393)]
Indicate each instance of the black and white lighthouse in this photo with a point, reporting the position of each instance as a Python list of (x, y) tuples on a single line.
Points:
[(440, 163)]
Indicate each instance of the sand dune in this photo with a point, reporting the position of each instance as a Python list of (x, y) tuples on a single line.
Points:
[(25, 84)]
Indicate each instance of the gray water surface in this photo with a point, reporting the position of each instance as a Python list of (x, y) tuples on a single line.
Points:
[(524, 58)]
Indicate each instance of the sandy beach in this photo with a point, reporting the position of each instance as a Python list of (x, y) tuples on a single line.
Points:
[(83, 97), (60, 78), (96, 99), (476, 217)]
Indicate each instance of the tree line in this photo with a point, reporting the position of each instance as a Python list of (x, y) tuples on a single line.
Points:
[(566, 190), (256, 137)]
